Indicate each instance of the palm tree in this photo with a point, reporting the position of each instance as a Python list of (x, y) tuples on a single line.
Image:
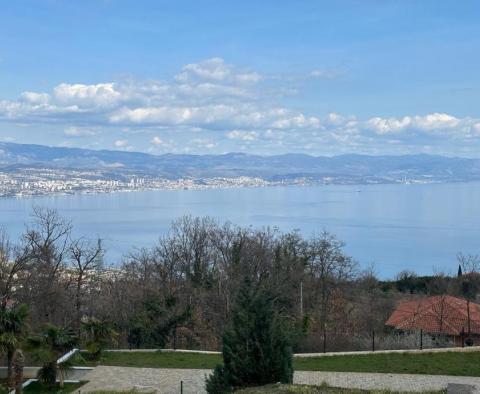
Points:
[(18, 365), (49, 346), (99, 334), (13, 330)]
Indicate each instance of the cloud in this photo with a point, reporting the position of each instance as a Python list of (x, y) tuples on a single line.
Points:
[(216, 70), (121, 143), (327, 73), (430, 122), (36, 98), (218, 106), (202, 144), (243, 135), (100, 95), (79, 132), (157, 141)]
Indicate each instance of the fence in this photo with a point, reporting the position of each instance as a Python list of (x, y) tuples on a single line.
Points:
[(333, 342)]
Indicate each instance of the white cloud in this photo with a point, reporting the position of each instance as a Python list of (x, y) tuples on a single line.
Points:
[(79, 132), (243, 135), (476, 129), (201, 143), (327, 73), (430, 122), (36, 98), (217, 70), (121, 143), (157, 141), (229, 108), (391, 125), (102, 94), (436, 121)]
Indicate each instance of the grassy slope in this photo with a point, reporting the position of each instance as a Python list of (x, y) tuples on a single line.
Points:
[(462, 364)]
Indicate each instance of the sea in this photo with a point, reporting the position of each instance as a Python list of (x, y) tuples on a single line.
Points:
[(415, 227)]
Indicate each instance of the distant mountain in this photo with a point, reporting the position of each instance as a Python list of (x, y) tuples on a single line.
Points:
[(342, 169)]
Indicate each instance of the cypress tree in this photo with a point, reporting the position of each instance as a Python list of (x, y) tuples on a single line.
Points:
[(257, 348)]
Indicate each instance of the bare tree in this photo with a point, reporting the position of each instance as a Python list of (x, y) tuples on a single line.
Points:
[(86, 260), (329, 268), (13, 262), (46, 245)]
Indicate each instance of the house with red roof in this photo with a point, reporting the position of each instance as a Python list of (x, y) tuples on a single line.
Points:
[(439, 315)]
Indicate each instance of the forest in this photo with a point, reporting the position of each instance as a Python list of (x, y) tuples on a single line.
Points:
[(179, 293)]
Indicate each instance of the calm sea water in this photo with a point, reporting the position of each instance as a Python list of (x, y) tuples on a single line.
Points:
[(395, 227)]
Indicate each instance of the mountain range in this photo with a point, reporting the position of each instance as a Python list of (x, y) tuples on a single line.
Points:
[(350, 168)]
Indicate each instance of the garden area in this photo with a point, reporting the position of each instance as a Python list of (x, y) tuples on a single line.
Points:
[(444, 363)]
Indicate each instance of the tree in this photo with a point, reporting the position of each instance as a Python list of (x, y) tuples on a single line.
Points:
[(13, 329), (50, 345), (330, 271), (87, 260), (155, 322), (99, 334), (13, 262), (257, 349), (46, 243), (18, 365)]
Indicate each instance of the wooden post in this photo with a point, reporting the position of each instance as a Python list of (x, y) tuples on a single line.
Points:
[(324, 341), (181, 386), (421, 339), (301, 299), (175, 337)]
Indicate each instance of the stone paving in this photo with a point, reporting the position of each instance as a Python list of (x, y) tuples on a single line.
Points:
[(383, 381), (167, 381), (159, 380)]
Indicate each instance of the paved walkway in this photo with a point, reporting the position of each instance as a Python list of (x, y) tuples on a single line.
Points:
[(383, 381), (167, 381), (160, 380)]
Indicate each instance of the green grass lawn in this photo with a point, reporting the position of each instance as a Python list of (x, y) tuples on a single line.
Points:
[(39, 388), (448, 363), (159, 360), (301, 389)]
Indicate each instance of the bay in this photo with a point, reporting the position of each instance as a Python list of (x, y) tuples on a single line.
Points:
[(417, 227)]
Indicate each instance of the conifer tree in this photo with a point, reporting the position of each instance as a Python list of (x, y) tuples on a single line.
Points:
[(257, 348)]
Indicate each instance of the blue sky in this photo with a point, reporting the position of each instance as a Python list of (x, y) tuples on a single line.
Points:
[(268, 77)]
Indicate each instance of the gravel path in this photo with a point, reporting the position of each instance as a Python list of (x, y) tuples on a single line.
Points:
[(394, 382), (167, 381)]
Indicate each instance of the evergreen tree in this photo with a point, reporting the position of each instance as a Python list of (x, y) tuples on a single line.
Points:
[(13, 329), (100, 334), (257, 348), (52, 343)]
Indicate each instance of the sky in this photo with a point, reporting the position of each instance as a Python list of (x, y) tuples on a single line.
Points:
[(266, 77)]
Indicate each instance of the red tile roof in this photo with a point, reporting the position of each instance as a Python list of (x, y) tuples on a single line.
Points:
[(438, 314)]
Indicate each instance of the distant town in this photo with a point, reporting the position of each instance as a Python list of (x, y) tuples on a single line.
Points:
[(29, 170), (51, 181), (46, 181)]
